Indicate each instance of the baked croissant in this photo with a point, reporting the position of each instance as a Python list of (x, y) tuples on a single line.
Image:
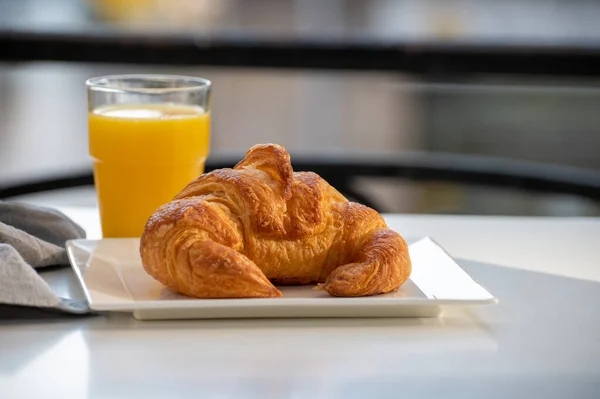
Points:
[(234, 233)]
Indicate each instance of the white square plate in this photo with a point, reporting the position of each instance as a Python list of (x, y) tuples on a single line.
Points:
[(112, 277)]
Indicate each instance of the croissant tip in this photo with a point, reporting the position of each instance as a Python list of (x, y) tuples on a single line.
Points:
[(275, 146)]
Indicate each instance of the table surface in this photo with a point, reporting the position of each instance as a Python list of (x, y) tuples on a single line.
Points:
[(539, 341)]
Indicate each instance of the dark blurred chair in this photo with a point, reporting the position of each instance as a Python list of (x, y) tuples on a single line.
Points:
[(342, 171)]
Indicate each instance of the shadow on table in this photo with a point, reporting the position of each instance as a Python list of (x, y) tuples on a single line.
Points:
[(19, 314)]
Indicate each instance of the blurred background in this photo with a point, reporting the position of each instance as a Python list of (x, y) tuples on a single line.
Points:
[(457, 107)]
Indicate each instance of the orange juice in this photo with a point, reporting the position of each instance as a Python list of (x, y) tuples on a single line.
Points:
[(143, 156)]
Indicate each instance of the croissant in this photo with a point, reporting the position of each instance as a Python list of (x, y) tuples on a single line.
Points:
[(234, 233)]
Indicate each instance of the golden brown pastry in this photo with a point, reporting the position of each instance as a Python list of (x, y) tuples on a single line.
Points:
[(233, 233)]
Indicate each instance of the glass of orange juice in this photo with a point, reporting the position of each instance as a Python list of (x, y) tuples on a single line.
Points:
[(149, 136)]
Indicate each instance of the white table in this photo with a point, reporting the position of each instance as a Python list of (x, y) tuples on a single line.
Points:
[(540, 341)]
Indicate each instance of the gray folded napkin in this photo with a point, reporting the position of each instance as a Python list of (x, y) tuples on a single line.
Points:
[(31, 238)]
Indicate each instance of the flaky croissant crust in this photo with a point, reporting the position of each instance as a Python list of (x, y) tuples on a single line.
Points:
[(234, 233)]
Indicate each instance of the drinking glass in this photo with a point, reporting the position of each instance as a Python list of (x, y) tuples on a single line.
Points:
[(149, 136)]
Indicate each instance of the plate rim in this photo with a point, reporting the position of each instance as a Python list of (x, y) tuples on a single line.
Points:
[(131, 305)]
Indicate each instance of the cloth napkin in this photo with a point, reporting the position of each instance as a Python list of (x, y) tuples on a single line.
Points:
[(31, 239)]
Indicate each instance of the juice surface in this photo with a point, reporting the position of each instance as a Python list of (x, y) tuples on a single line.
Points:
[(143, 156)]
